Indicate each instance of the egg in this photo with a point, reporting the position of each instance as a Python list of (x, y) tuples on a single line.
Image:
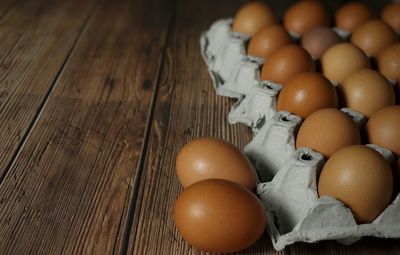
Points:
[(306, 93), (373, 37), (268, 40), (305, 15), (216, 215), (359, 177), (351, 15), (367, 91), (383, 128), (252, 17), (391, 15), (209, 158), (341, 60), (327, 131), (389, 62), (286, 62), (317, 40)]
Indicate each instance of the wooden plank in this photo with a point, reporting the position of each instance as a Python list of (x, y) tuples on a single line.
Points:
[(187, 107), (366, 246), (36, 38), (67, 191), (5, 6)]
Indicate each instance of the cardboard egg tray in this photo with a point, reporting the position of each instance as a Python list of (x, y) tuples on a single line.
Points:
[(288, 186)]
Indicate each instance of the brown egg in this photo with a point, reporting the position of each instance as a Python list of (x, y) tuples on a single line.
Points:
[(219, 216), (359, 177), (383, 128), (389, 62), (351, 15), (268, 40), (317, 40), (252, 17), (367, 91), (373, 37), (305, 15), (210, 158), (341, 60), (391, 15), (286, 62), (306, 93), (327, 131)]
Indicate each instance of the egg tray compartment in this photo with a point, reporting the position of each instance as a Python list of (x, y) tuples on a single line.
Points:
[(289, 191)]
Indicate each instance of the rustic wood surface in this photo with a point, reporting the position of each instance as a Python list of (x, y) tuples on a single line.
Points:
[(96, 99)]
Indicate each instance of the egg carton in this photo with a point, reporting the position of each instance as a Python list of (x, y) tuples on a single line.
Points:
[(288, 186)]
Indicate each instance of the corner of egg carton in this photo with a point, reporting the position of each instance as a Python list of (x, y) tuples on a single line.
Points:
[(273, 144), (225, 55), (257, 107), (316, 219)]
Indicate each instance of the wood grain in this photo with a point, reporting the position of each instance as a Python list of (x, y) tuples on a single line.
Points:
[(5, 6), (68, 189), (36, 38), (186, 107)]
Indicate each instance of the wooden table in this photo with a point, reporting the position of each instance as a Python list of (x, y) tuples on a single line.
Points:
[(96, 99)]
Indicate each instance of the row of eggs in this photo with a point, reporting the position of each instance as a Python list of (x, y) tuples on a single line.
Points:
[(217, 211)]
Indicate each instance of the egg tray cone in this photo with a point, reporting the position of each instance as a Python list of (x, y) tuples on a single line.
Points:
[(288, 186)]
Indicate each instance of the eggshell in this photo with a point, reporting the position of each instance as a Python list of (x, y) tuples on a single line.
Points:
[(383, 128), (373, 37), (367, 91), (317, 40), (268, 40), (391, 15), (219, 216), (209, 158), (389, 62), (341, 60), (306, 93), (305, 15), (327, 131), (351, 15), (286, 62), (253, 16), (359, 177)]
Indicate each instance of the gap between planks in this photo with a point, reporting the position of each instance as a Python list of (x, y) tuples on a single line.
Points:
[(42, 105), (144, 150)]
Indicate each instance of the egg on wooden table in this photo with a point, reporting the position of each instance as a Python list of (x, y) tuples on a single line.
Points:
[(327, 131), (219, 216), (305, 15), (359, 177), (341, 60), (367, 91), (207, 158), (317, 40), (373, 37), (383, 128), (391, 15), (306, 93), (351, 15), (268, 40), (253, 16), (286, 62)]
